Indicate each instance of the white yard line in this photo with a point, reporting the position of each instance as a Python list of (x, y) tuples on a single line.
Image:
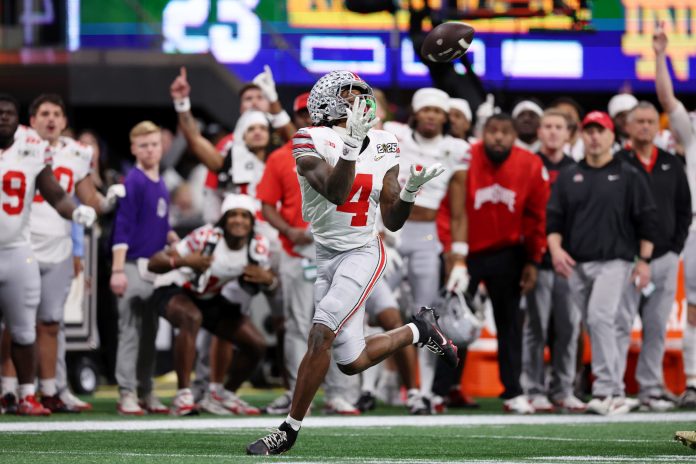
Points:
[(359, 421), (593, 440)]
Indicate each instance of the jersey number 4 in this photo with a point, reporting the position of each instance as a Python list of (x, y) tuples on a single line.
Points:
[(14, 186), (362, 187)]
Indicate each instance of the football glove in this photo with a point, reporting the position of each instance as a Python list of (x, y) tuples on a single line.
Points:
[(358, 124), (458, 279), (266, 83), (84, 216), (115, 192), (417, 178)]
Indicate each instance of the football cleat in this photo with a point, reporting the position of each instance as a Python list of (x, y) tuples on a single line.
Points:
[(183, 404), (153, 405), (73, 401), (432, 337), (417, 404), (128, 405), (340, 407), (688, 399), (28, 406), (518, 405), (570, 404), (541, 403), (55, 404), (686, 438), (235, 404), (277, 442), (210, 403), (280, 405), (8, 404), (366, 402)]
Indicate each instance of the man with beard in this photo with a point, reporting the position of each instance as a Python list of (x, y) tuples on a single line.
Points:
[(527, 116), (506, 194)]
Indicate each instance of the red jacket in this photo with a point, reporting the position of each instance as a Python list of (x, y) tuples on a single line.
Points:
[(506, 203)]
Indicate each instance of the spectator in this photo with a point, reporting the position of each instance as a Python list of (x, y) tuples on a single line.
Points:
[(618, 108), (574, 112), (601, 217), (526, 116)]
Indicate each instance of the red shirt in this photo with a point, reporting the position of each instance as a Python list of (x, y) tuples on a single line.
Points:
[(279, 184), (506, 203), (444, 227), (211, 181)]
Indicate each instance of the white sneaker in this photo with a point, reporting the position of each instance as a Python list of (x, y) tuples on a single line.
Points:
[(73, 401), (417, 404), (518, 405), (601, 406), (128, 405), (622, 405), (541, 403), (437, 404), (657, 404), (571, 403), (153, 405), (340, 406), (211, 404), (235, 404), (183, 404), (280, 405)]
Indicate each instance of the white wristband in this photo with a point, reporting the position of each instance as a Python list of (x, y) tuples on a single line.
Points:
[(279, 120), (460, 248), (182, 105), (408, 196), (349, 153)]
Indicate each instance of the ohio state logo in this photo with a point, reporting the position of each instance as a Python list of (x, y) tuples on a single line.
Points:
[(495, 194)]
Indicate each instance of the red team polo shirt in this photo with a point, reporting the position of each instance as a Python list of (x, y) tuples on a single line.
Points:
[(279, 184), (506, 203)]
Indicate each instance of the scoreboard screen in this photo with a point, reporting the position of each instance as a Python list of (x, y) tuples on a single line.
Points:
[(591, 45)]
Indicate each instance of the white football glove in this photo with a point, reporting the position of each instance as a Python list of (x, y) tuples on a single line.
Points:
[(416, 179), (114, 192), (84, 215), (266, 83), (358, 124), (459, 279)]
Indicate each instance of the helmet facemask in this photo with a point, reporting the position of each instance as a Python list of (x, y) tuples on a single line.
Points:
[(334, 93)]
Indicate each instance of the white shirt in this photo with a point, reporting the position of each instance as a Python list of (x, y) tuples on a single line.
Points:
[(19, 166), (50, 233), (352, 224), (227, 264), (451, 152)]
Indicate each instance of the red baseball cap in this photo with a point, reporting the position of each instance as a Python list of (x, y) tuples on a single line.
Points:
[(300, 102), (600, 118)]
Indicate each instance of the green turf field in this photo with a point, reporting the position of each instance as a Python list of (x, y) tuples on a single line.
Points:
[(384, 436)]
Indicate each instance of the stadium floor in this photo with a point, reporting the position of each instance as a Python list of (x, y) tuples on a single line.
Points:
[(383, 436)]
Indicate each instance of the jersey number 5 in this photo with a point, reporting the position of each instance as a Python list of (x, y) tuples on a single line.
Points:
[(359, 207), (14, 184)]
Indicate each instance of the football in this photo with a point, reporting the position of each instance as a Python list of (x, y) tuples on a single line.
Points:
[(447, 42)]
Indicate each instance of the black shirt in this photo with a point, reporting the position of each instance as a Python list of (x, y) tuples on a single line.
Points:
[(670, 190), (602, 213), (553, 170)]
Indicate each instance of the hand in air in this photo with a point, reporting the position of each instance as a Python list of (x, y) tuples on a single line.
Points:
[(180, 88)]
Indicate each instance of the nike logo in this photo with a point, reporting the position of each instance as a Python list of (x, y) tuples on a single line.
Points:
[(665, 167), (613, 177)]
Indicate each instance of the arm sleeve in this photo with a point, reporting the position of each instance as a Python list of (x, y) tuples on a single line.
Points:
[(680, 122), (682, 211), (77, 233), (643, 209), (555, 209), (534, 216), (126, 218)]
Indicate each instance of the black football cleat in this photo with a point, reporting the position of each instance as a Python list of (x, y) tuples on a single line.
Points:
[(277, 442), (366, 402), (432, 337)]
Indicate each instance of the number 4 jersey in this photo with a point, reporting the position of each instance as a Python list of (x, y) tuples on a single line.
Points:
[(50, 233), (19, 166), (352, 224)]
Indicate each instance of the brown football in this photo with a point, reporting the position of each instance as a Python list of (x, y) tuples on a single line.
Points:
[(447, 42)]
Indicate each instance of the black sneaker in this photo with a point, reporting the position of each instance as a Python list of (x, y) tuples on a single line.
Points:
[(366, 402), (8, 404), (688, 399), (432, 338), (277, 442)]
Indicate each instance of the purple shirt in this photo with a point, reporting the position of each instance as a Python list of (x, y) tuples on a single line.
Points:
[(142, 217)]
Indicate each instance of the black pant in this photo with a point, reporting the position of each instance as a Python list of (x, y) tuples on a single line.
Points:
[(500, 271)]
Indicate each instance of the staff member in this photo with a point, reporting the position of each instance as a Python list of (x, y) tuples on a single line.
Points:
[(601, 214), (667, 179), (506, 194)]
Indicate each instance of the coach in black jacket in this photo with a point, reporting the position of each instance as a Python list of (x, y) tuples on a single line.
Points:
[(601, 214), (667, 179)]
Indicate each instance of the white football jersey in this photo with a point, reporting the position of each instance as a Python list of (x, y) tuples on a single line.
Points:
[(451, 152), (19, 166), (227, 264), (50, 233), (352, 224)]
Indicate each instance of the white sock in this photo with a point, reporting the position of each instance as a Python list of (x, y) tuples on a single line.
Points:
[(689, 351), (47, 387), (369, 379), (26, 389), (416, 332), (214, 387), (294, 423), (426, 370), (9, 385)]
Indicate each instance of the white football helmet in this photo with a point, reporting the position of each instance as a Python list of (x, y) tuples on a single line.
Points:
[(460, 319), (325, 103)]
